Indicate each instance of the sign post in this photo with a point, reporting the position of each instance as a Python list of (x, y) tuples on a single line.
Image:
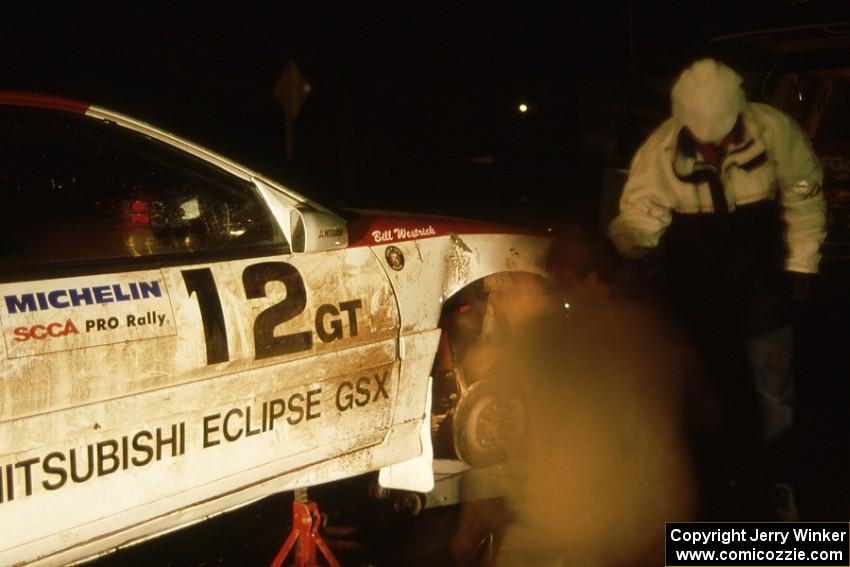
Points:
[(290, 90)]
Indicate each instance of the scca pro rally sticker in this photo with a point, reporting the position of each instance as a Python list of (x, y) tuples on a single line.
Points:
[(74, 313)]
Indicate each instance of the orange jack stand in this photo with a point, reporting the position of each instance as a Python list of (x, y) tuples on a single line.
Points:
[(305, 532)]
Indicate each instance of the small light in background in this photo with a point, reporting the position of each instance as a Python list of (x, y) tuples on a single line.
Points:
[(523, 108), (482, 160)]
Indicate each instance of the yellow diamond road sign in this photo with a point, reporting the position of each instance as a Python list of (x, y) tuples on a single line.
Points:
[(290, 89)]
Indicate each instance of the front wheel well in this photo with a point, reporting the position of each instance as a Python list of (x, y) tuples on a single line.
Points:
[(475, 321)]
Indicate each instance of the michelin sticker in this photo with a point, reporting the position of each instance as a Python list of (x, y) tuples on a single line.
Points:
[(74, 313)]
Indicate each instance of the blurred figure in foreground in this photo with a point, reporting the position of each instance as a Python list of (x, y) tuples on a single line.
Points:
[(725, 198), (603, 462)]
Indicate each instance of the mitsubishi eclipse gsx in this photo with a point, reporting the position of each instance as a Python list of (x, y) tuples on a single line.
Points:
[(182, 336)]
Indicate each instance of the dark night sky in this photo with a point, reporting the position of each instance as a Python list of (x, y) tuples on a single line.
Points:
[(402, 98)]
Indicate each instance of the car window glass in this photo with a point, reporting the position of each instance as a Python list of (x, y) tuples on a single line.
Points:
[(74, 189), (835, 121), (797, 95)]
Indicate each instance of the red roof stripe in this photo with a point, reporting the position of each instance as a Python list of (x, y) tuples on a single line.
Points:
[(42, 101), (369, 229)]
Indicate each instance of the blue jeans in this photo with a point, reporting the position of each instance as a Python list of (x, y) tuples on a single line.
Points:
[(770, 362)]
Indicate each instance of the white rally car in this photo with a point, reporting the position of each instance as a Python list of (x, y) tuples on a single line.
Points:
[(182, 336)]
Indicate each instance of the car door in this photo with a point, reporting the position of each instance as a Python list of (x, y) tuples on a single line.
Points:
[(162, 345)]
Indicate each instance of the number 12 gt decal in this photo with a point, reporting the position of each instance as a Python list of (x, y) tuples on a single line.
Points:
[(255, 278), (201, 283), (328, 323)]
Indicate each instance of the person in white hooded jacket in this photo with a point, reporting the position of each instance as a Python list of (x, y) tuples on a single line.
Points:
[(771, 159), (726, 196)]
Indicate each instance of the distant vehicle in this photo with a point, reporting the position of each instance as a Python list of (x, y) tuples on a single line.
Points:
[(182, 336)]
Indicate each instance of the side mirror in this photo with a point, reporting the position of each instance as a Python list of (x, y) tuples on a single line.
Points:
[(315, 231)]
